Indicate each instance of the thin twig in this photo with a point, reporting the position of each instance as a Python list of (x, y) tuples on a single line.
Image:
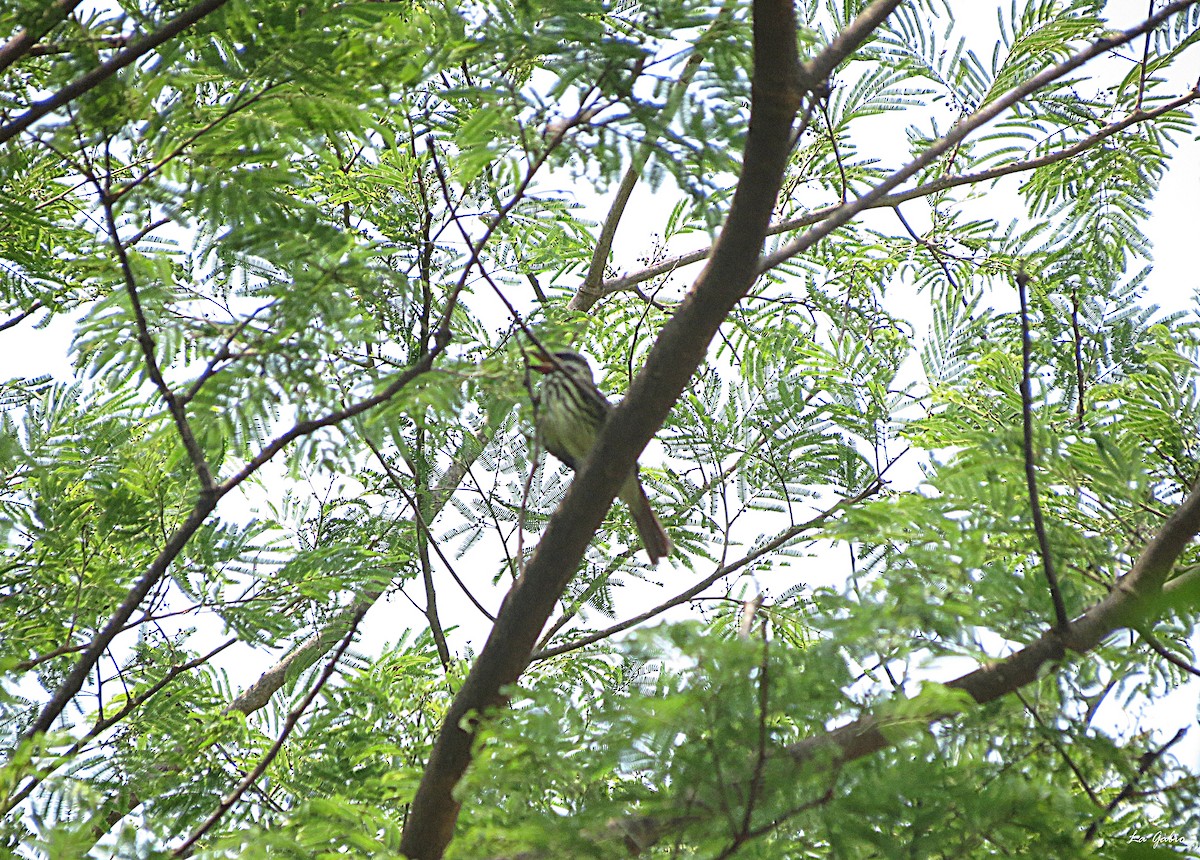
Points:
[(175, 404), (1141, 92), (293, 718), (1146, 762), (419, 517), (1158, 648), (1077, 342), (723, 570), (837, 153), (1061, 619), (945, 183), (102, 725), (1052, 736), (608, 230), (930, 246)]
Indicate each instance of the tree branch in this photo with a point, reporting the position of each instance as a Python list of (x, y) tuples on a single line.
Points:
[(23, 315), (965, 126), (103, 725), (778, 85), (175, 404), (721, 572), (74, 680), (227, 802), (204, 506), (110, 67), (1061, 621), (1144, 764), (1137, 594), (627, 282), (589, 290), (307, 652), (25, 38)]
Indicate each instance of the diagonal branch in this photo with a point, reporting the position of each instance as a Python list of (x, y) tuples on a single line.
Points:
[(778, 85), (964, 127), (776, 543), (627, 282), (293, 717), (175, 404), (23, 315), (1061, 621), (24, 40), (110, 67), (1136, 595)]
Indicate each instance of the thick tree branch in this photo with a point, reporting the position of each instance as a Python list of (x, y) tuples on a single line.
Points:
[(777, 88)]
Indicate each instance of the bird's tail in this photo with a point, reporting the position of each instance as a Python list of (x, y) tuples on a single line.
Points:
[(654, 538)]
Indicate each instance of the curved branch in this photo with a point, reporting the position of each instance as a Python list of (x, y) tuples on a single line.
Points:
[(589, 290), (1136, 595), (778, 85), (721, 572), (1061, 620)]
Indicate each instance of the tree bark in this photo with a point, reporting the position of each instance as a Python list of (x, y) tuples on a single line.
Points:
[(778, 85)]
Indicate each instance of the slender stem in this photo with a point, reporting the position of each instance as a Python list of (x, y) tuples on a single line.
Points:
[(1146, 762), (1061, 619), (778, 542), (185, 849), (104, 724), (627, 282), (175, 404)]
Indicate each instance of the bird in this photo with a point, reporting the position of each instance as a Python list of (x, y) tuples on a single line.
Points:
[(569, 412)]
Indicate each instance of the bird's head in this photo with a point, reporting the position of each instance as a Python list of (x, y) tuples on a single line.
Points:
[(565, 360)]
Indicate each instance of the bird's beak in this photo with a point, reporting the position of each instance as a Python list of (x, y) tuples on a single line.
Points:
[(543, 363)]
